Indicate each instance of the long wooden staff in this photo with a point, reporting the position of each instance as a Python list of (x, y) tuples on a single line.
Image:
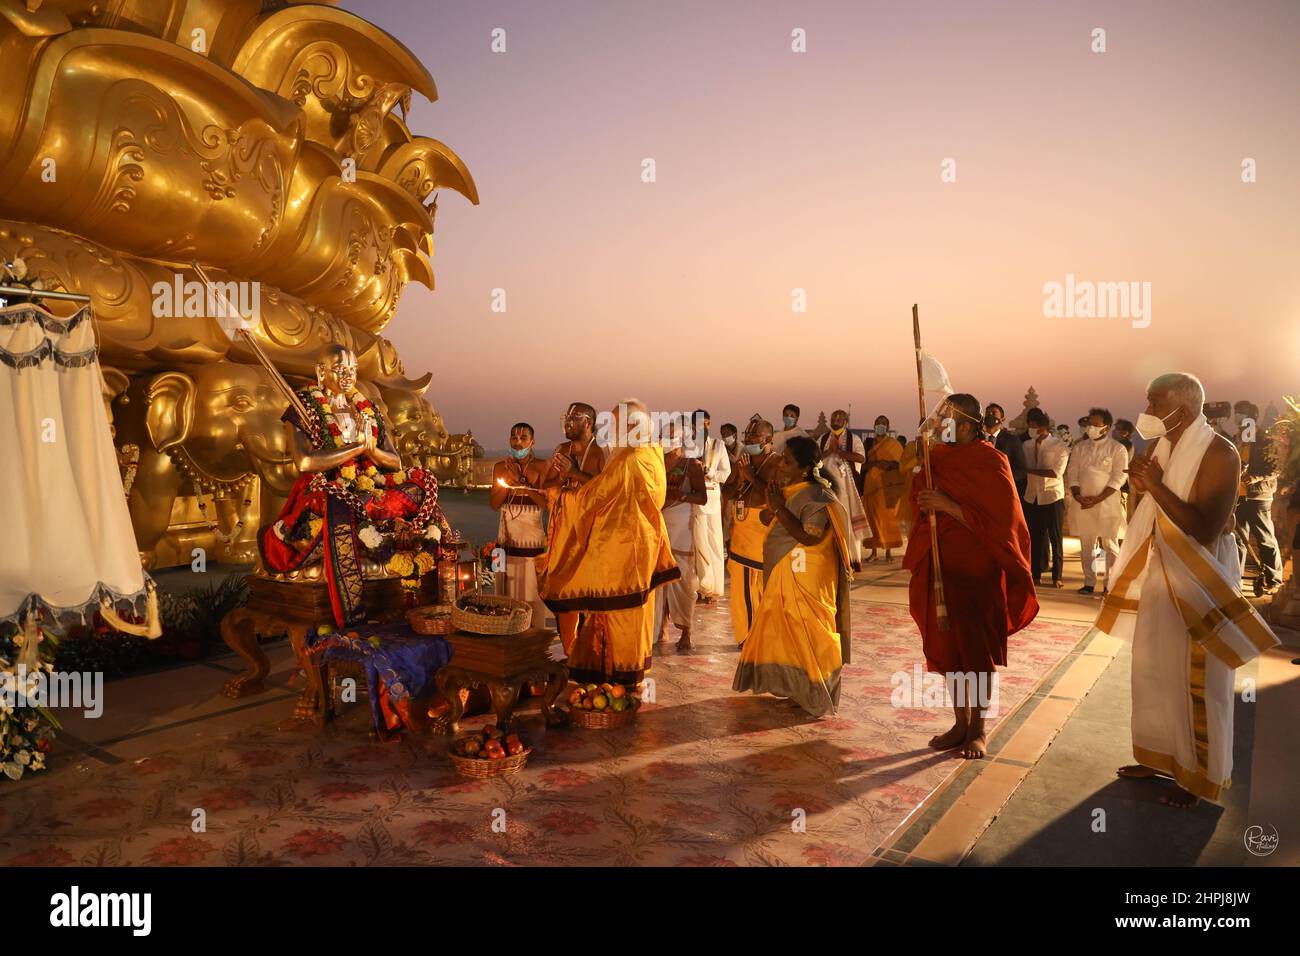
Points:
[(285, 388), (940, 605)]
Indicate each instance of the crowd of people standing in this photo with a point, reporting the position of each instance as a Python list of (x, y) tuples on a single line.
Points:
[(646, 524)]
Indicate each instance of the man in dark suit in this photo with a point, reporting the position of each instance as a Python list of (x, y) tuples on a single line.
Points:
[(1010, 445)]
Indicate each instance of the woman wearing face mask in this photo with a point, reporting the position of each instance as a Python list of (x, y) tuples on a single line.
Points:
[(794, 644)]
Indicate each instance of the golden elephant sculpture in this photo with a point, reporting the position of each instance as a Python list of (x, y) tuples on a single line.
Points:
[(111, 132), (415, 425), (421, 437), (214, 430)]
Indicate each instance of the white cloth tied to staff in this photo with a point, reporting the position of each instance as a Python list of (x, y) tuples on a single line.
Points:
[(935, 384), (1182, 608), (69, 547)]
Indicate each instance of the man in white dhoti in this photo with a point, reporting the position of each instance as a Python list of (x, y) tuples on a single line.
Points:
[(685, 490), (706, 519), (1096, 473), (842, 454), (517, 494), (1176, 594)]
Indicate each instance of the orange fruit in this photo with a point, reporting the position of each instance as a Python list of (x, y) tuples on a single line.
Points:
[(618, 691)]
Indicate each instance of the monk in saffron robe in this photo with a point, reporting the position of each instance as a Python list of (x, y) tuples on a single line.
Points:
[(607, 559), (1177, 596), (882, 485), (984, 560)]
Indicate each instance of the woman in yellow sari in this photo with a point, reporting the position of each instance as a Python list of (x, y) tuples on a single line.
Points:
[(799, 637)]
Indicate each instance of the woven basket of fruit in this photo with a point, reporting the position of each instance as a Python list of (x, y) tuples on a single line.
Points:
[(601, 706), (491, 614), (431, 621), (488, 753)]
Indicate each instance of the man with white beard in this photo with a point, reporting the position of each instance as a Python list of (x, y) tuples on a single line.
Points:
[(1176, 594), (706, 519), (1096, 472)]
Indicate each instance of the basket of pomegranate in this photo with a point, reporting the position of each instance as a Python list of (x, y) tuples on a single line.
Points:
[(488, 753)]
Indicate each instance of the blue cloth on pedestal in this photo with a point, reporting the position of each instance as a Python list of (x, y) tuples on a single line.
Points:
[(407, 663)]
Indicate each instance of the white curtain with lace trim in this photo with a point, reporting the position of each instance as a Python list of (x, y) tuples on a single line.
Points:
[(66, 541)]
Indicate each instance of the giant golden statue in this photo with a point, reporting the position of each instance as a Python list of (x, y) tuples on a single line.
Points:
[(265, 141)]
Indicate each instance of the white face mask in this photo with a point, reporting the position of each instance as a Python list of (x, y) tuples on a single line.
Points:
[(1096, 432), (1150, 426)]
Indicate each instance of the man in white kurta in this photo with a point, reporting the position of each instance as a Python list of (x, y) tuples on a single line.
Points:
[(706, 519), (1096, 472), (675, 601), (1179, 601)]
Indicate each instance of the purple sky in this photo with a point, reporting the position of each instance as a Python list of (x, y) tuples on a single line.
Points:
[(822, 171)]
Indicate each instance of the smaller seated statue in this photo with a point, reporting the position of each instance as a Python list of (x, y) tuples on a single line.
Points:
[(352, 499)]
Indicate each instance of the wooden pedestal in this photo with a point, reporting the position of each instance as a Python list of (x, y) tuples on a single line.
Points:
[(296, 608), (503, 665)]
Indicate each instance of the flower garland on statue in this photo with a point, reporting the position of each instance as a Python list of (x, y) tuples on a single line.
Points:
[(411, 549)]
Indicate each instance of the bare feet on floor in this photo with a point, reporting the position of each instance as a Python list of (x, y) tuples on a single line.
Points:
[(953, 738), (1136, 771), (684, 645), (975, 747), (1178, 797)]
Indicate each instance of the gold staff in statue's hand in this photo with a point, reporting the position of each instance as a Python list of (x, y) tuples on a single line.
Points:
[(244, 330)]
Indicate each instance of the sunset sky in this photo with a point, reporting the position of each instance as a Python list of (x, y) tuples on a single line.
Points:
[(822, 171)]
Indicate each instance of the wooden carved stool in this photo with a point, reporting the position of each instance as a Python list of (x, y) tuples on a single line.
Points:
[(297, 609)]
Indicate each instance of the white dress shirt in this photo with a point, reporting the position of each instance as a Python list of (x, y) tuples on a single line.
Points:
[(1049, 452)]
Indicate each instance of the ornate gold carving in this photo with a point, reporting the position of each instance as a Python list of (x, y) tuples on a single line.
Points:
[(128, 155)]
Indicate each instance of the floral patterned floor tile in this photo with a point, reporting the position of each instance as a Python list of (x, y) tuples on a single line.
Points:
[(704, 777)]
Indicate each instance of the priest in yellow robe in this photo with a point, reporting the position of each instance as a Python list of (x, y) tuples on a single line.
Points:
[(607, 559)]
